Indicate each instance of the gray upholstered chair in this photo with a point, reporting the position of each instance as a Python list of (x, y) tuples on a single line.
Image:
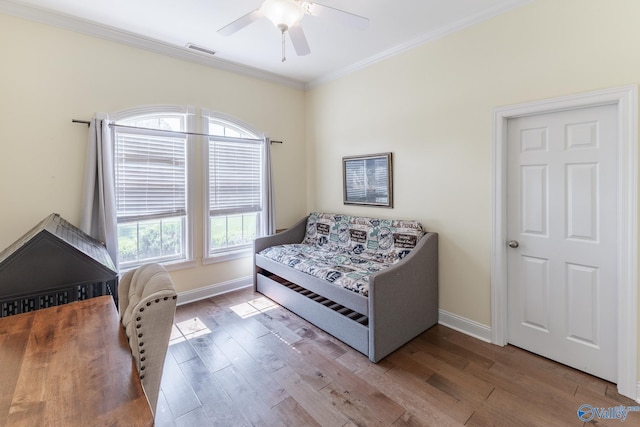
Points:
[(147, 303)]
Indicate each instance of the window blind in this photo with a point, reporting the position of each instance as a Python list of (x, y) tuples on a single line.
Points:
[(150, 175), (235, 176)]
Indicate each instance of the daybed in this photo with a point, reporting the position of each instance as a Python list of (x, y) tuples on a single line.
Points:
[(372, 283)]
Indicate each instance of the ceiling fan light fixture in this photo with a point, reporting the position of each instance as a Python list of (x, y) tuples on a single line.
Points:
[(283, 13)]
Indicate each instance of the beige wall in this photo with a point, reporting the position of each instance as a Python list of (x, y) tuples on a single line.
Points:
[(49, 76), (432, 107)]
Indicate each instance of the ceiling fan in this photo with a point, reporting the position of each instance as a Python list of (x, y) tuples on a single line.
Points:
[(286, 16)]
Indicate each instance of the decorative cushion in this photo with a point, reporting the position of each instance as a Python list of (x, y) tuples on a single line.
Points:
[(327, 229), (381, 239)]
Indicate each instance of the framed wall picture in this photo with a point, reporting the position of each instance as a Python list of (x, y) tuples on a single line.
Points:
[(368, 180)]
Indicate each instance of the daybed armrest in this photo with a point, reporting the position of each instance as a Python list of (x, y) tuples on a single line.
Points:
[(293, 234), (403, 299)]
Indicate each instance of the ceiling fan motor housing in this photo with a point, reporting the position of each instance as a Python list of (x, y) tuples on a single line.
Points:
[(283, 13)]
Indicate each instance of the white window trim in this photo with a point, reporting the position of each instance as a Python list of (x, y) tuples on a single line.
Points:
[(230, 254), (190, 123)]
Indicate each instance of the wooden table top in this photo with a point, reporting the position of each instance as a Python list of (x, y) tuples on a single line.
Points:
[(69, 365)]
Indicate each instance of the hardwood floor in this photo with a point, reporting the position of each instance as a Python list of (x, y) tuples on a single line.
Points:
[(240, 360)]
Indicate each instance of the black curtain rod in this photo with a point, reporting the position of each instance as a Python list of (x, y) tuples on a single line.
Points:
[(88, 123)]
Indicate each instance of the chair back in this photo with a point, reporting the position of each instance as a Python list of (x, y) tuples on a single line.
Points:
[(147, 304)]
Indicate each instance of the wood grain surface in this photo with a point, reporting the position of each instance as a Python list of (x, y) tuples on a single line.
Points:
[(69, 365), (238, 360)]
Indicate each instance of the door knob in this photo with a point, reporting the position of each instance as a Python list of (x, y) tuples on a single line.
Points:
[(513, 244)]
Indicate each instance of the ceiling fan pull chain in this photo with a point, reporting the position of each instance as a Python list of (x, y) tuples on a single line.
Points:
[(283, 53)]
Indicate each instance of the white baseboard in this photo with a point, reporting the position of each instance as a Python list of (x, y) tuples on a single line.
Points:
[(213, 290), (464, 325)]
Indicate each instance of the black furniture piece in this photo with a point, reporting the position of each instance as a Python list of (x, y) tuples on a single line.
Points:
[(52, 264)]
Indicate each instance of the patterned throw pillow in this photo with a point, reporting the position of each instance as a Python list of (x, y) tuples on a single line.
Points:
[(406, 235), (388, 240), (311, 233), (383, 240), (327, 229)]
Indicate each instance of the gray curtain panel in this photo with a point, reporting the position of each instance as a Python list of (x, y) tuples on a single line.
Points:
[(98, 216)]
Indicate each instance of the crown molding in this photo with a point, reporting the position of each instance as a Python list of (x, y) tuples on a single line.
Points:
[(91, 28), (419, 41)]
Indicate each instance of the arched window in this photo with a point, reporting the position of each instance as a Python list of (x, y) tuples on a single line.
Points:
[(154, 185), (234, 183), (151, 167)]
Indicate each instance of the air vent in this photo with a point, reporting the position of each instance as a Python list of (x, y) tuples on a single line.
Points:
[(200, 49)]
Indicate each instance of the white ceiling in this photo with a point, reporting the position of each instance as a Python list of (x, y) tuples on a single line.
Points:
[(169, 25)]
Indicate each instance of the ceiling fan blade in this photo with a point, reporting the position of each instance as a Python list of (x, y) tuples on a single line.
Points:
[(346, 18), (240, 23), (299, 40)]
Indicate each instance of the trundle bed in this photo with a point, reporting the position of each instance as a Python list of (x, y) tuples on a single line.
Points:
[(370, 282)]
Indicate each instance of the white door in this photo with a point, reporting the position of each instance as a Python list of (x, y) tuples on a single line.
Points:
[(562, 196)]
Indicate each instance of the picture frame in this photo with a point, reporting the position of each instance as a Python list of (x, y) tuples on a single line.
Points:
[(368, 180)]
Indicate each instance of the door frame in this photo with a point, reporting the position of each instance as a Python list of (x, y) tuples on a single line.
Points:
[(626, 100)]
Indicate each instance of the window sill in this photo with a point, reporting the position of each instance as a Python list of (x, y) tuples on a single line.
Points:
[(169, 265), (227, 256), (180, 265)]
